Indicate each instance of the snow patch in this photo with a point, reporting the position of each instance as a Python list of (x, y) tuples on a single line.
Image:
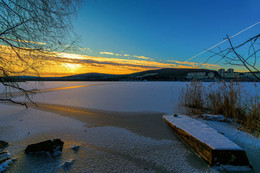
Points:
[(202, 132)]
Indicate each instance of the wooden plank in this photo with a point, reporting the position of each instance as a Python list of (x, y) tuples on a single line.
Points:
[(213, 154)]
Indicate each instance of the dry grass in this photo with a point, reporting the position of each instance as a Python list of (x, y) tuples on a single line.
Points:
[(223, 98)]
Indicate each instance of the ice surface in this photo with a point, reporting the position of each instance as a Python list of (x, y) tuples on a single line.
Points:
[(118, 96), (202, 132), (17, 123), (107, 148)]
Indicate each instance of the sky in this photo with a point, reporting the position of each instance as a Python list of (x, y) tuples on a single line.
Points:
[(164, 31), (127, 36)]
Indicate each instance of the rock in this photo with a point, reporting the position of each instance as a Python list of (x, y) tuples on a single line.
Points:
[(75, 148), (67, 165), (3, 145), (54, 147)]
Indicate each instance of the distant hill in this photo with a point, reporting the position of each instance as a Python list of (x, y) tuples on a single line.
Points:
[(165, 74)]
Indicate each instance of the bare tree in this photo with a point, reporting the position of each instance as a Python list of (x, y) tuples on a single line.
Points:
[(29, 31), (232, 56)]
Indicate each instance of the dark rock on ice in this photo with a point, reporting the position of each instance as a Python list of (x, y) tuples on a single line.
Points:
[(75, 148), (3, 145), (67, 165), (54, 147)]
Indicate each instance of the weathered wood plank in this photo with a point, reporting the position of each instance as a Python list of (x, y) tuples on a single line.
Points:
[(215, 154)]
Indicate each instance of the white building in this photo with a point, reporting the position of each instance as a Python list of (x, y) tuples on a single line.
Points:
[(221, 72), (231, 70)]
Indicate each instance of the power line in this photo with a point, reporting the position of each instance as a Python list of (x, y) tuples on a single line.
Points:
[(222, 41)]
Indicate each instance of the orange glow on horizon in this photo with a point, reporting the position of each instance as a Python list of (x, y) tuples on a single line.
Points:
[(58, 64)]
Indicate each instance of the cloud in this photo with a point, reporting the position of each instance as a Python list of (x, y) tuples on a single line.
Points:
[(210, 65), (61, 63), (180, 62), (88, 49), (141, 57), (194, 64), (81, 48), (109, 53), (106, 53), (134, 65), (114, 62), (126, 55), (23, 41)]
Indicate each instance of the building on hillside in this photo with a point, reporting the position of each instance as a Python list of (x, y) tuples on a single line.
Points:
[(231, 70), (230, 73), (221, 72)]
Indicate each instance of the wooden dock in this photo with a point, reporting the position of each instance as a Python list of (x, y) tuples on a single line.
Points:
[(212, 146)]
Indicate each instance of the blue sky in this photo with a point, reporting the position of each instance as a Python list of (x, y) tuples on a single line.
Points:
[(163, 30)]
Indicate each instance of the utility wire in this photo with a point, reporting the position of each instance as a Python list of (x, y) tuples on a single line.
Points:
[(223, 41)]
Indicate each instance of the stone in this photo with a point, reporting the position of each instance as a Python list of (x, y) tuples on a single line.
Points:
[(54, 147), (3, 145), (75, 148), (67, 165)]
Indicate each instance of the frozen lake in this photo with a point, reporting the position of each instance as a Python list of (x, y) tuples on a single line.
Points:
[(118, 125)]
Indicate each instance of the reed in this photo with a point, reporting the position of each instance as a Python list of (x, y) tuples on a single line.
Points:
[(223, 98)]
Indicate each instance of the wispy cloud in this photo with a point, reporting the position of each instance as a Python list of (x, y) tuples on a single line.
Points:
[(124, 65), (194, 64), (210, 65), (106, 53), (126, 55), (23, 41), (88, 49), (85, 49), (141, 57), (109, 63), (82, 49), (109, 53)]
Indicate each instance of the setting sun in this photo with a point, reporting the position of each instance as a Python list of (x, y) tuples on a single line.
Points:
[(72, 68)]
